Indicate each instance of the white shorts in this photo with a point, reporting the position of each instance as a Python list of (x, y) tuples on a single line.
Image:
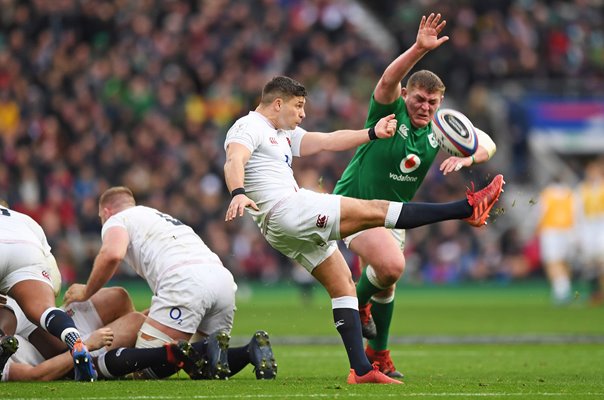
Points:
[(21, 262), (196, 297), (84, 315), (592, 241), (26, 354), (304, 227), (555, 245), (398, 235)]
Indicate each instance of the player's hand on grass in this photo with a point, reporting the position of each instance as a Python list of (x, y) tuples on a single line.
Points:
[(429, 29), (100, 338), (454, 164), (238, 205), (76, 292), (386, 127)]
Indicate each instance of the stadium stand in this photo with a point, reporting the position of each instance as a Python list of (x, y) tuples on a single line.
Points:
[(140, 93)]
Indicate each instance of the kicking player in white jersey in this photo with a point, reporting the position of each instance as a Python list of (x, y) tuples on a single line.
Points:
[(29, 274), (193, 293), (305, 225)]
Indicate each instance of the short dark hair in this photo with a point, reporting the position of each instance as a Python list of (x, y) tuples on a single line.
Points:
[(427, 80), (284, 87)]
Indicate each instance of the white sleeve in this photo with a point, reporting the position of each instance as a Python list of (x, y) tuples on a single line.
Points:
[(244, 134), (296, 139), (485, 141), (111, 222)]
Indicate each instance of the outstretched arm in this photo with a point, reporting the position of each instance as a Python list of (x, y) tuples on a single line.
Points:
[(314, 142), (388, 88), (486, 149), (111, 254), (57, 367)]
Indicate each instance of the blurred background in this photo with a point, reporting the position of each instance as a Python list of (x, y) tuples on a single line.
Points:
[(141, 93)]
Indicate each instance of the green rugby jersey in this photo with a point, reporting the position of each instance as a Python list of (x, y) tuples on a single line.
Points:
[(390, 169)]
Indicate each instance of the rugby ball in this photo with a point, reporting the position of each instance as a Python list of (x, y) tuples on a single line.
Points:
[(454, 132)]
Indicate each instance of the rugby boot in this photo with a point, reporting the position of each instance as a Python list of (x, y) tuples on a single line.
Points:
[(185, 356), (483, 200), (384, 361), (8, 347), (368, 327), (217, 366), (262, 357), (82, 363), (373, 376)]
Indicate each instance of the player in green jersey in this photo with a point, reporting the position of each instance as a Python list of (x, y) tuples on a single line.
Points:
[(393, 169)]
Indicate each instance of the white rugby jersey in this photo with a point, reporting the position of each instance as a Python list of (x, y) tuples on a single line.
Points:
[(159, 243), (24, 326), (268, 173), (19, 228)]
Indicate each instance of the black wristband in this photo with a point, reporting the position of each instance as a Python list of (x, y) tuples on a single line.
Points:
[(239, 190), (371, 133)]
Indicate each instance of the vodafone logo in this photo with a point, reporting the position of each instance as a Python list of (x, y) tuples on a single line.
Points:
[(410, 163)]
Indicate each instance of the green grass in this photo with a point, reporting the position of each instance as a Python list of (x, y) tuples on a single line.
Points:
[(474, 322)]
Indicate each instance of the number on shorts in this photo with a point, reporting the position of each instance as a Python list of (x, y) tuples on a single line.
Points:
[(5, 212)]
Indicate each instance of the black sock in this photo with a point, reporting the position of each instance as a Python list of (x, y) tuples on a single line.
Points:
[(201, 346), (59, 324), (239, 358), (120, 362), (418, 214), (348, 324)]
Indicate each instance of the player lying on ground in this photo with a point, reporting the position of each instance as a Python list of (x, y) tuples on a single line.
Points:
[(203, 360), (108, 316), (20, 360)]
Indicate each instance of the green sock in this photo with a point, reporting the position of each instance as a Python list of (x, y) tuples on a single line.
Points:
[(382, 316), (365, 289)]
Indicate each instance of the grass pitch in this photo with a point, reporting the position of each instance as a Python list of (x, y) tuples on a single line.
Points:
[(478, 341)]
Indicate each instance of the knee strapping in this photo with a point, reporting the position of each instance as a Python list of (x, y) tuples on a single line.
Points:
[(372, 277), (158, 338)]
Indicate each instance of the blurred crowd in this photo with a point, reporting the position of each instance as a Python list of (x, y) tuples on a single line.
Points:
[(96, 93)]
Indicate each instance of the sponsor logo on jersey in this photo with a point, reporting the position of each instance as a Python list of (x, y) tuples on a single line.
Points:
[(273, 140), (46, 275), (176, 315), (410, 163), (432, 139), (403, 178), (403, 130), (322, 221)]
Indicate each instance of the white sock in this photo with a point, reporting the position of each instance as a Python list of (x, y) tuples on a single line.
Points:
[(561, 288), (394, 211)]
